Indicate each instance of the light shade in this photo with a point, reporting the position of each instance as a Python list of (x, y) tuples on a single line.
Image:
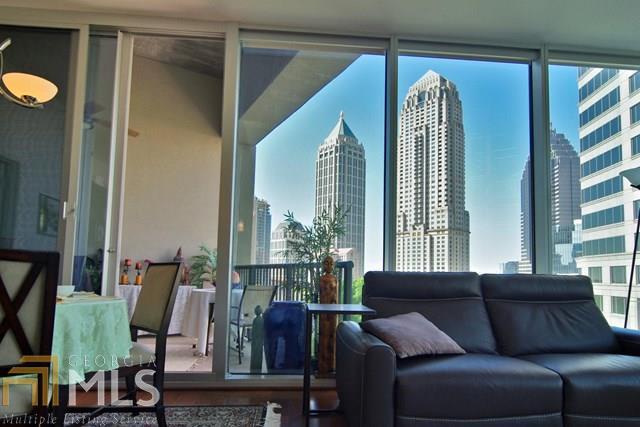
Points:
[(633, 175), (29, 88)]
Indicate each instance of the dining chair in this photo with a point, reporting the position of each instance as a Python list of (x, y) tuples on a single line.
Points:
[(27, 306), (152, 314), (243, 314)]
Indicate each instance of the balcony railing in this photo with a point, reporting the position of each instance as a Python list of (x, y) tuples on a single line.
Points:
[(297, 282)]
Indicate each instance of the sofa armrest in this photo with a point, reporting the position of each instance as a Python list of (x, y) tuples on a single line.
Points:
[(365, 377), (629, 340)]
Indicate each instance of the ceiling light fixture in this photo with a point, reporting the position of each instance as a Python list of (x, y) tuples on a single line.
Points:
[(24, 89)]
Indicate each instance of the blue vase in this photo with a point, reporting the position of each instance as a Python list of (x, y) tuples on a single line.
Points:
[(284, 334)]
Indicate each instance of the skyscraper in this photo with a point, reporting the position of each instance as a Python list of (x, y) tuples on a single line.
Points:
[(526, 229), (261, 233), (280, 243), (432, 230), (565, 207), (340, 181), (565, 202), (609, 112)]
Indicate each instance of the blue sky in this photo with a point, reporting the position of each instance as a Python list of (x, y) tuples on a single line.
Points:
[(495, 101)]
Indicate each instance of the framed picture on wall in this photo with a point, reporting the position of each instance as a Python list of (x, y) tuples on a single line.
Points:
[(48, 211)]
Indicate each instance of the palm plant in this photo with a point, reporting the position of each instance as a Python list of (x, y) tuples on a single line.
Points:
[(312, 244), (203, 266)]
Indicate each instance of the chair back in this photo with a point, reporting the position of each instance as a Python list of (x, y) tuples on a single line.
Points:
[(254, 296), (157, 297), (28, 283)]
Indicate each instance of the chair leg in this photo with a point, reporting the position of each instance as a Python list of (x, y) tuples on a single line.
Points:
[(132, 393), (63, 402), (162, 422), (158, 382), (239, 345)]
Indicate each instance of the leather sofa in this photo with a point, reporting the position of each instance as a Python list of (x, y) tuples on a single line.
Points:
[(539, 353)]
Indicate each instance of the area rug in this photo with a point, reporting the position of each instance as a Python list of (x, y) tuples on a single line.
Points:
[(194, 416)]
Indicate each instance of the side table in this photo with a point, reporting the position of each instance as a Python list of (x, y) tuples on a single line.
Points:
[(314, 309)]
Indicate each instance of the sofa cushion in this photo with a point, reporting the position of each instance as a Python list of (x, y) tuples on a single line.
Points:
[(411, 334), (451, 301), (535, 314), (596, 385), (475, 386)]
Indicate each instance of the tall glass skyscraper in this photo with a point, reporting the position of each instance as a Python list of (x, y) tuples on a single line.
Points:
[(432, 230), (340, 181), (565, 208), (261, 233)]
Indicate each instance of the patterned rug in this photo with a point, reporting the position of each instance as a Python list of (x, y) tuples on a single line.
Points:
[(194, 416)]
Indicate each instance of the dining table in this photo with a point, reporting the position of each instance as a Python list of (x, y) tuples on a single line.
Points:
[(198, 317), (90, 333), (131, 293)]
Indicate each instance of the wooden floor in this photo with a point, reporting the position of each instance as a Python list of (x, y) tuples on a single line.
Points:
[(290, 400)]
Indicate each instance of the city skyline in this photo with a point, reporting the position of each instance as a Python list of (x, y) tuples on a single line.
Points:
[(497, 144)]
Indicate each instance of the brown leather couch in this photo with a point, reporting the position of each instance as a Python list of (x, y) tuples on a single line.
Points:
[(539, 353)]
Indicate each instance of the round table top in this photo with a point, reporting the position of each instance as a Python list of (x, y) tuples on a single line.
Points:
[(90, 333)]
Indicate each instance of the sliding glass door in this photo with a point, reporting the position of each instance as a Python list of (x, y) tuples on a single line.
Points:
[(310, 162), (36, 144)]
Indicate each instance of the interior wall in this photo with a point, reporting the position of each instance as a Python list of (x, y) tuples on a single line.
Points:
[(172, 176)]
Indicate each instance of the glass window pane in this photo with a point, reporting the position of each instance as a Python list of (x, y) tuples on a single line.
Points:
[(463, 171), (32, 143), (596, 126), (310, 155), (94, 165)]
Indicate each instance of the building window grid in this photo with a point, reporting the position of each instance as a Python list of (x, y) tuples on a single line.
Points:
[(595, 273), (618, 305), (617, 274), (602, 189), (635, 145), (604, 246), (604, 160), (602, 133), (603, 217), (596, 82), (635, 113), (600, 106), (634, 82)]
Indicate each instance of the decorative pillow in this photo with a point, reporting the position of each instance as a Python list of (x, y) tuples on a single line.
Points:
[(412, 334)]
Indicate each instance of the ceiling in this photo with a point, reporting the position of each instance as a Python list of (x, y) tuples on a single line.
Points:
[(198, 55), (597, 24)]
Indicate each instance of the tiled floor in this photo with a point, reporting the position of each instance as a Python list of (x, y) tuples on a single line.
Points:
[(182, 357)]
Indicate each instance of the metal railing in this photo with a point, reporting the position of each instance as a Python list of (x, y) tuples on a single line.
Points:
[(296, 281)]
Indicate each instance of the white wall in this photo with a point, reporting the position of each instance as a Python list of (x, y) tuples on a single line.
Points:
[(173, 166)]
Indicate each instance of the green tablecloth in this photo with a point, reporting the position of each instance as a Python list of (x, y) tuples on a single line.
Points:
[(90, 333)]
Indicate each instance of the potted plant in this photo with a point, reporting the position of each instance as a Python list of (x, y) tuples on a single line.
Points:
[(203, 267)]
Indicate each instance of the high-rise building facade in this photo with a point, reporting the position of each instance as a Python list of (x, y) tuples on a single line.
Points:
[(609, 112), (261, 233), (340, 181), (565, 207), (280, 243), (432, 230), (526, 227), (565, 203)]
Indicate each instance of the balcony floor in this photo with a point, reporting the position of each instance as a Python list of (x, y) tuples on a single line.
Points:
[(182, 357)]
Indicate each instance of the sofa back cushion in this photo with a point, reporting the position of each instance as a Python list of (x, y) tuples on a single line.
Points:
[(533, 313), (451, 301)]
